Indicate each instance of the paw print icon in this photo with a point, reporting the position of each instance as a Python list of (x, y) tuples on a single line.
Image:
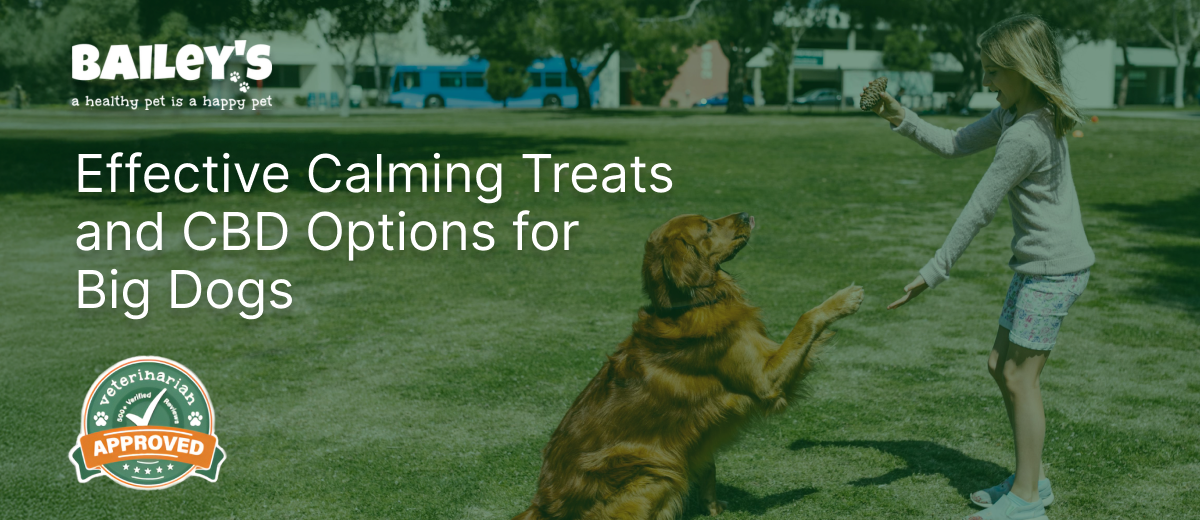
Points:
[(235, 77), (194, 418), (100, 418), (245, 86)]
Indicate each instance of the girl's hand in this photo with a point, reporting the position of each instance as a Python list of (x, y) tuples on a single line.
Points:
[(888, 108), (917, 286)]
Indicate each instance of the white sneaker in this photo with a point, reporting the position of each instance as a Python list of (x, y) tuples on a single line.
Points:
[(1011, 507), (987, 497)]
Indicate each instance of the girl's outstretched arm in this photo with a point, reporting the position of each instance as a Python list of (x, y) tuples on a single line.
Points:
[(977, 136), (1015, 159), (1012, 164)]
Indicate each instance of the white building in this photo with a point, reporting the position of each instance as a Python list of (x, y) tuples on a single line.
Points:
[(1092, 71)]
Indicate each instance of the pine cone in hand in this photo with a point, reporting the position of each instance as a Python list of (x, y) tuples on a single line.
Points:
[(871, 96)]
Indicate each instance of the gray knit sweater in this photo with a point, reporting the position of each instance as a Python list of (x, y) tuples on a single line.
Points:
[(1032, 167)]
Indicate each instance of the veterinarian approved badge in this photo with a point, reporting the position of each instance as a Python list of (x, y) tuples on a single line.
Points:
[(147, 424)]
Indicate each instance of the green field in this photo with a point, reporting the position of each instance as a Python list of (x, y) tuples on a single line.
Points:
[(422, 385)]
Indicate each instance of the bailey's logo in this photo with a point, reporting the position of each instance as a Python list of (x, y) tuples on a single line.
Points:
[(148, 424), (152, 61)]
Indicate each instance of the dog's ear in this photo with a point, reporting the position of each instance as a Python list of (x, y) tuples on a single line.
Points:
[(672, 267), (683, 268), (655, 280)]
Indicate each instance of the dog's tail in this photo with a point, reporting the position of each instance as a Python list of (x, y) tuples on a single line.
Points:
[(533, 513)]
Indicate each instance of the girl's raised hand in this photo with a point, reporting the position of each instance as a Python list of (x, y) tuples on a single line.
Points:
[(890, 109), (917, 286)]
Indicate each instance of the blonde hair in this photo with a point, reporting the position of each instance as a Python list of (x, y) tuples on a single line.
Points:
[(1026, 45)]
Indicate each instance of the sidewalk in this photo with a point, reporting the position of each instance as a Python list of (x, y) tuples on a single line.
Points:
[(1193, 115), (91, 120)]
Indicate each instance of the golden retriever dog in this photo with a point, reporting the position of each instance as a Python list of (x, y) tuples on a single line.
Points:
[(697, 367)]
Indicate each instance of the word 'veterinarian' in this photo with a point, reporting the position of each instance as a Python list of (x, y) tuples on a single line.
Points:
[(152, 61)]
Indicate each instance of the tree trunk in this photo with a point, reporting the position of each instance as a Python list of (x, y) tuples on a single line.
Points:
[(1179, 46), (381, 93), (736, 80), (582, 88), (970, 79), (791, 87), (1189, 80), (967, 89), (583, 84), (1180, 69), (348, 65), (1124, 92), (969, 86), (347, 81)]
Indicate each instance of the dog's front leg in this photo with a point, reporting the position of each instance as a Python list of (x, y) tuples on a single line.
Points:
[(781, 366)]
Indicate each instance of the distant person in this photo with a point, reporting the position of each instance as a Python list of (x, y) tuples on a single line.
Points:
[(1051, 255)]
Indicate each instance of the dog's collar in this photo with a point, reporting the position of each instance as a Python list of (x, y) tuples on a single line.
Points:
[(677, 310)]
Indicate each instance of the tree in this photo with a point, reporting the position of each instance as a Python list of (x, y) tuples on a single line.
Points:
[(31, 53), (345, 25), (905, 50), (1179, 19), (506, 80), (222, 20), (496, 30), (778, 80), (34, 36), (1124, 23), (795, 19), (956, 25), (519, 31), (1192, 74), (578, 29), (175, 31), (500, 31), (744, 28), (1074, 22), (659, 48), (32, 48)]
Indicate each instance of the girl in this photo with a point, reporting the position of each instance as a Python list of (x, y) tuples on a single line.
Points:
[(1051, 255)]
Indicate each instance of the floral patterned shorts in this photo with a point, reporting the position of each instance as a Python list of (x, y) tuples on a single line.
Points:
[(1036, 305)]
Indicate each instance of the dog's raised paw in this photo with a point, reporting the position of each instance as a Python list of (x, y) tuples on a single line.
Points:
[(847, 300)]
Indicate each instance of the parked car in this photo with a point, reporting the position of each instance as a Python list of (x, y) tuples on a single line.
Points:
[(721, 100), (821, 96)]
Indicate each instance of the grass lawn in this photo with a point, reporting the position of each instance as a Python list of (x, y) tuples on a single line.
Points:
[(422, 385)]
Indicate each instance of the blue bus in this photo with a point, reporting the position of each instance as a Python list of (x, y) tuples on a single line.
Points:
[(463, 86)]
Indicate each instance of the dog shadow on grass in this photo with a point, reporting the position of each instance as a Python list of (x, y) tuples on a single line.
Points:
[(738, 499), (966, 474)]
